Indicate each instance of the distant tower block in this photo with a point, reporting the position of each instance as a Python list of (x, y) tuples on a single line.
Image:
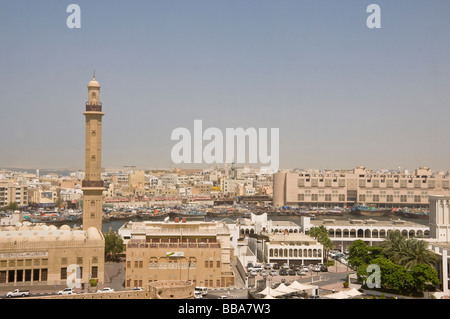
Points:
[(92, 185)]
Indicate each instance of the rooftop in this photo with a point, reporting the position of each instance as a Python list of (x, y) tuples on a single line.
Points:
[(368, 223)]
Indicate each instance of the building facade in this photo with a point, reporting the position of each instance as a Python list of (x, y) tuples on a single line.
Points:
[(13, 193), (45, 255), (345, 188), (440, 237), (199, 252)]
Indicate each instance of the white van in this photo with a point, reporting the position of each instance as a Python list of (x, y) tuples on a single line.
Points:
[(202, 290)]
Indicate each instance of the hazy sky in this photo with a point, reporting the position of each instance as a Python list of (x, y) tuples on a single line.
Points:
[(341, 94)]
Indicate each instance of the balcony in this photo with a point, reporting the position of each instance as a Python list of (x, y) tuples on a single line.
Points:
[(94, 108), (92, 184)]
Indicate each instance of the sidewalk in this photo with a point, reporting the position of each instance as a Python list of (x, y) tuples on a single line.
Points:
[(114, 278)]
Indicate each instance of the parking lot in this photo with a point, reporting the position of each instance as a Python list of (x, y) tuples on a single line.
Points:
[(288, 273)]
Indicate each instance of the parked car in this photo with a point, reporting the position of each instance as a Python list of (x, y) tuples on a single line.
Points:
[(302, 272), (66, 291), (253, 273), (267, 267), (263, 273), (283, 272), (323, 268), (273, 272), (138, 289), (202, 290), (106, 289), (198, 295), (276, 266), (291, 272)]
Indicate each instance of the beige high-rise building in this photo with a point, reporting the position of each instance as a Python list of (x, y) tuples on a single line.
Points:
[(92, 185), (346, 188)]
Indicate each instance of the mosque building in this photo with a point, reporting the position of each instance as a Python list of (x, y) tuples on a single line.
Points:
[(38, 254)]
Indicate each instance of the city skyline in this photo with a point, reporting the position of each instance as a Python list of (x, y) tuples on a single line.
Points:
[(341, 94)]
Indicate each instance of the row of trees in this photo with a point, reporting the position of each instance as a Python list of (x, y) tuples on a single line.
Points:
[(406, 266)]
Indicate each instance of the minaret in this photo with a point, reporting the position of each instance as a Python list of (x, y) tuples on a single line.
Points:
[(92, 183)]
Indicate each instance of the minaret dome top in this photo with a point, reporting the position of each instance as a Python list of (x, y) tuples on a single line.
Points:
[(94, 83)]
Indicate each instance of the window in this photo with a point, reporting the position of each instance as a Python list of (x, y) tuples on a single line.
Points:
[(94, 272), (301, 197), (63, 273), (44, 273)]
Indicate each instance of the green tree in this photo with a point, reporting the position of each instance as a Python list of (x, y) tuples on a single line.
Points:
[(320, 233), (408, 252), (358, 254), (416, 252), (12, 206), (393, 246), (113, 245), (424, 276), (394, 276)]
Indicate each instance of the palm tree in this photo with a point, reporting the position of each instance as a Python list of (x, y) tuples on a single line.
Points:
[(417, 252), (393, 246), (320, 233), (407, 252)]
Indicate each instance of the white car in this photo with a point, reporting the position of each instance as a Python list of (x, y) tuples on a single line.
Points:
[(198, 295), (106, 289), (66, 291)]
